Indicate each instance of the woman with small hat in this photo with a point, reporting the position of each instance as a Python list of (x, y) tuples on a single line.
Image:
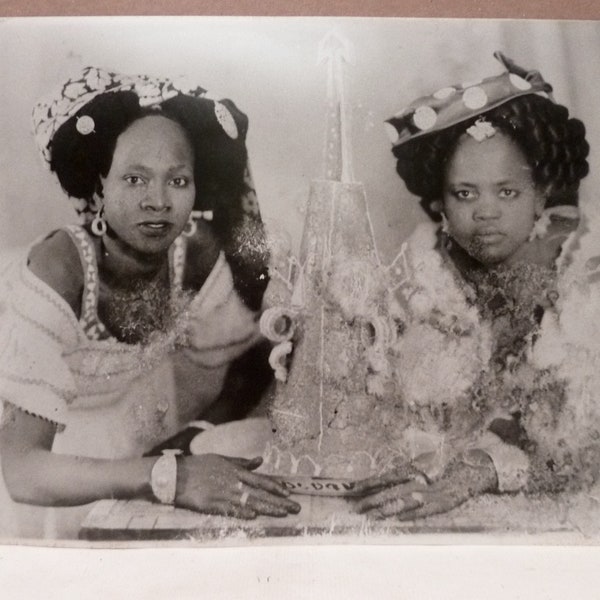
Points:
[(485, 359)]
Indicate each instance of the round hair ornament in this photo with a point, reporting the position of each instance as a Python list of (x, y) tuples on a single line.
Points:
[(85, 125), (226, 120)]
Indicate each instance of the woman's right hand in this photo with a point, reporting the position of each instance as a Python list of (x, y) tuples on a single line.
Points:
[(219, 485)]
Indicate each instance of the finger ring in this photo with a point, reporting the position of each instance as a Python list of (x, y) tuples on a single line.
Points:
[(399, 504), (418, 497), (244, 498), (239, 485), (420, 478)]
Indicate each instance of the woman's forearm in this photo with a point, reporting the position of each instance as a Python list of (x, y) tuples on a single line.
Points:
[(208, 483), (35, 475), (39, 476)]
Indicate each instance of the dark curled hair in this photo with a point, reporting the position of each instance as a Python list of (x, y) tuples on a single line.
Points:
[(553, 144), (220, 164)]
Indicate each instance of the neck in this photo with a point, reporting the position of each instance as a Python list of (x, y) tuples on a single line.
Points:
[(123, 265), (464, 262)]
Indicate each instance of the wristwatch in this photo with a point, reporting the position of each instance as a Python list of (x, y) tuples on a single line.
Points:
[(163, 478)]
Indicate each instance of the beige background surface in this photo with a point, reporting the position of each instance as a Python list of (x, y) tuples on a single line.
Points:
[(270, 68), (315, 572), (514, 9)]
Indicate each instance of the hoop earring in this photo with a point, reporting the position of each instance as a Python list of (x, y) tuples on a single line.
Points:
[(191, 226), (99, 226)]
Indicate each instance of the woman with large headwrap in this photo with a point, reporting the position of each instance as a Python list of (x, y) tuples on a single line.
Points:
[(116, 332)]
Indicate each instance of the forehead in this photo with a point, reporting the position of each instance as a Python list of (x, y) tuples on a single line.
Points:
[(496, 158), (153, 137)]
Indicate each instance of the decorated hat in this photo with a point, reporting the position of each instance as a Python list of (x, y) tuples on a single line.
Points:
[(454, 104), (55, 110)]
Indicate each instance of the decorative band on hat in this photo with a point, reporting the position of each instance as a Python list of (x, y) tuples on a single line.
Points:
[(453, 104)]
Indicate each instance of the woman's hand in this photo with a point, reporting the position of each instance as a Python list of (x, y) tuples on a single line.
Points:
[(408, 495), (218, 485)]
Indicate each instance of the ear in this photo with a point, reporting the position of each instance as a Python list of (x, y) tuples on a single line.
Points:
[(435, 209), (97, 201), (541, 198), (437, 206)]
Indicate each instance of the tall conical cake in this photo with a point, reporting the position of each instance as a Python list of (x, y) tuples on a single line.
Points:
[(326, 420)]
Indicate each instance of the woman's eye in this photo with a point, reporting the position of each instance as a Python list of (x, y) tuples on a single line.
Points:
[(508, 193), (133, 179), (179, 182), (463, 194)]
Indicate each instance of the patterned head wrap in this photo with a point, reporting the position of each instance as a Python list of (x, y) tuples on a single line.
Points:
[(55, 110), (453, 104)]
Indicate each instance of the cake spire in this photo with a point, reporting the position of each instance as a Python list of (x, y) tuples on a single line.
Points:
[(336, 52)]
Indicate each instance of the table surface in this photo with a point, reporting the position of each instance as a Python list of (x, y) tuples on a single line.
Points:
[(575, 519)]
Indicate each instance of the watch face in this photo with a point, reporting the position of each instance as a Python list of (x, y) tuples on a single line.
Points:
[(164, 477)]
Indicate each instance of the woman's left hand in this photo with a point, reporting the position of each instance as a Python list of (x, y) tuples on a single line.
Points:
[(407, 495)]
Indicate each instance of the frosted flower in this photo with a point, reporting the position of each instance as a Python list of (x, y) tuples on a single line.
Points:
[(277, 360), (421, 304), (351, 285), (435, 368)]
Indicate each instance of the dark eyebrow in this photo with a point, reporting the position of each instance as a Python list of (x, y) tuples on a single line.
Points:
[(179, 167), (136, 167), (506, 182), (461, 184), (144, 169)]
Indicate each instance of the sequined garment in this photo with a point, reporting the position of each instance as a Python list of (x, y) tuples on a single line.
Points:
[(110, 399)]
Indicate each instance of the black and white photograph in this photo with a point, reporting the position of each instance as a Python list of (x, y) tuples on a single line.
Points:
[(310, 279)]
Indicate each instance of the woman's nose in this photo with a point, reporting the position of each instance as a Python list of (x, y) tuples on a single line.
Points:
[(156, 198), (487, 207)]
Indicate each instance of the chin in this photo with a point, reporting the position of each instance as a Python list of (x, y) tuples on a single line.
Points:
[(489, 257), (152, 247), (492, 259)]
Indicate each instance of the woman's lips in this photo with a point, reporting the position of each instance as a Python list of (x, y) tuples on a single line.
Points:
[(155, 228), (491, 236)]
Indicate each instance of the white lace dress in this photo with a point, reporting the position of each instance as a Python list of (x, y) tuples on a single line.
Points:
[(109, 399)]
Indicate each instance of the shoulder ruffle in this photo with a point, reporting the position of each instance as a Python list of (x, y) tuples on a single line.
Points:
[(36, 328)]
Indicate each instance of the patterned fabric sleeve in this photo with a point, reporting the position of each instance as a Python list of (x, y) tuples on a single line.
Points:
[(36, 327)]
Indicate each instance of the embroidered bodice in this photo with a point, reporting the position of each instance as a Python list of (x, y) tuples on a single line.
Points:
[(471, 354), (89, 320), (110, 398)]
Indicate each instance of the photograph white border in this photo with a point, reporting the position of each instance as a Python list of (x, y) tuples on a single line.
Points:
[(302, 572)]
